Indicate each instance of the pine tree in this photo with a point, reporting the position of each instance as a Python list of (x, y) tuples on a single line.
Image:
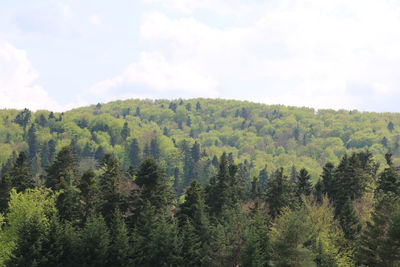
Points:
[(155, 149), (125, 132), (279, 194), (23, 117), (390, 126), (327, 179), (118, 254), (256, 251), (63, 171), (293, 175), (225, 191), (28, 246), (89, 194), (375, 248), (304, 186), (94, 243), (349, 221), (134, 154), (263, 179), (389, 180), (153, 184), (32, 143), (21, 176), (111, 198)]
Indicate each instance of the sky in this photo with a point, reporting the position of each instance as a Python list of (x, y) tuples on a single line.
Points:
[(338, 54)]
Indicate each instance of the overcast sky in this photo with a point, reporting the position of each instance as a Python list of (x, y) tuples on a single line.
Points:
[(336, 54)]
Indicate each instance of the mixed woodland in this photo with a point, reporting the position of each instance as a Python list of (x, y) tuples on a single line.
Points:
[(200, 182)]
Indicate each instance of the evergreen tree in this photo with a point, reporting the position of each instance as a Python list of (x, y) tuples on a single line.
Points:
[(279, 193), (304, 186), (125, 132), (21, 176), (256, 252), (32, 143), (390, 126), (349, 221), (138, 112), (195, 151), (154, 187), (111, 198), (263, 179), (155, 149), (293, 175), (375, 241), (224, 191), (118, 254), (389, 179), (23, 117), (63, 171), (89, 194), (134, 153), (327, 179), (94, 243), (28, 246)]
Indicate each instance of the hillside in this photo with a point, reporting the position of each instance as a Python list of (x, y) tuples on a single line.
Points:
[(255, 134), (198, 183)]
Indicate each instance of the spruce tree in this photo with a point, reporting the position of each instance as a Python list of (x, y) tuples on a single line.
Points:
[(304, 186), (153, 186), (125, 132), (349, 221), (118, 254), (134, 153), (33, 146), (389, 179), (263, 179), (21, 176), (94, 243), (111, 198), (89, 194), (279, 194)]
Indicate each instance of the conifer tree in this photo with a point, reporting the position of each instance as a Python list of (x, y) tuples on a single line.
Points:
[(304, 186), (89, 194), (21, 176), (224, 191), (153, 184), (32, 143), (111, 198), (134, 153), (118, 254), (349, 221), (263, 179), (279, 194), (125, 132), (94, 243), (389, 179)]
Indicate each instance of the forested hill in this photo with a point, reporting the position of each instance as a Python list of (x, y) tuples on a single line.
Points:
[(199, 183), (185, 135)]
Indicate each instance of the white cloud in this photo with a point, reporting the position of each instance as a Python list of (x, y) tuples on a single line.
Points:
[(18, 88), (154, 73), (335, 54), (95, 19)]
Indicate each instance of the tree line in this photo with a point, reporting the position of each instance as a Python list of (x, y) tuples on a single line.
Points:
[(113, 216)]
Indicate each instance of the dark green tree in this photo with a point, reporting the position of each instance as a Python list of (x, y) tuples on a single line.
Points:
[(279, 193), (134, 154), (304, 186), (125, 132), (118, 254), (94, 243)]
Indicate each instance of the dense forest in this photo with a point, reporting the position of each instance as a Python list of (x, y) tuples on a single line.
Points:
[(199, 182)]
